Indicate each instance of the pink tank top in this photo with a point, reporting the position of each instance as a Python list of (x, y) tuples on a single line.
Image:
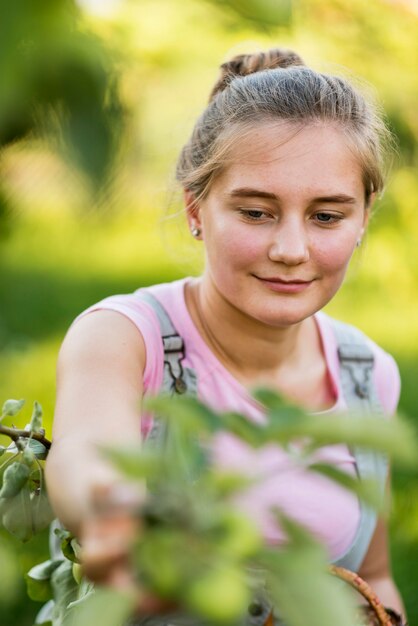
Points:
[(331, 513)]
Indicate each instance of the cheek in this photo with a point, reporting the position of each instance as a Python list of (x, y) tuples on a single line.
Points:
[(244, 252), (335, 255), (231, 248)]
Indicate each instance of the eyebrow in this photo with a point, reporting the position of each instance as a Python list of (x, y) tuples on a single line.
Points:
[(248, 192)]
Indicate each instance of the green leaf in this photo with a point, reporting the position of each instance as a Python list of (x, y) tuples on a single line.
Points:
[(85, 588), (36, 478), (38, 448), (48, 63), (192, 414), (71, 549), (80, 600), (298, 582), (62, 533), (17, 518), (38, 580), (36, 419), (228, 483), (287, 422), (3, 506), (2, 450), (28, 456), (14, 479), (239, 425), (183, 458), (43, 571), (394, 437), (273, 401), (45, 615), (367, 490), (237, 536), (133, 460), (12, 448), (42, 514), (11, 408), (64, 590), (106, 607)]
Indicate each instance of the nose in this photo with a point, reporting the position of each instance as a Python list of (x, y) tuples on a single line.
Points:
[(290, 244)]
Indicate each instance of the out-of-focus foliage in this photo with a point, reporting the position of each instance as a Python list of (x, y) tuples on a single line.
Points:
[(56, 81), (263, 14), (24, 504), (194, 548)]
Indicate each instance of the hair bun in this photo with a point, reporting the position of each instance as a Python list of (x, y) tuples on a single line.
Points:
[(244, 64)]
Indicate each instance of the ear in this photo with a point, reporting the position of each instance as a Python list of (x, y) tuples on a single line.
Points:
[(367, 212), (370, 201), (192, 209)]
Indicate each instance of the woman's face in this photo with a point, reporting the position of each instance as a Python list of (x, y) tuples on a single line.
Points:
[(281, 222)]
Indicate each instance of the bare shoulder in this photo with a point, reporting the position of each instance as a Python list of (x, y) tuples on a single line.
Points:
[(102, 331), (99, 374)]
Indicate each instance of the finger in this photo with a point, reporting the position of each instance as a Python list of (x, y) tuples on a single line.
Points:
[(106, 544)]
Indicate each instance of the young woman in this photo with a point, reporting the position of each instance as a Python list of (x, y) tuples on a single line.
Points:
[(279, 178)]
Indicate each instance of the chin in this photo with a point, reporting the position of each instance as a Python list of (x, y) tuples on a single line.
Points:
[(284, 317)]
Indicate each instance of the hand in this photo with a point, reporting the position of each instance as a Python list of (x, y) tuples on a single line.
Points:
[(106, 542), (107, 537)]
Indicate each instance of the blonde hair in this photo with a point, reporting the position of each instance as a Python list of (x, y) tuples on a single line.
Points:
[(277, 86)]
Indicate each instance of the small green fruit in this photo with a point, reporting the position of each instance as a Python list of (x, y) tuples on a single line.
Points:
[(239, 537), (157, 560), (220, 595), (77, 572)]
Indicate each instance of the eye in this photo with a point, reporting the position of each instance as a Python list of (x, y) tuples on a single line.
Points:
[(253, 214), (327, 218)]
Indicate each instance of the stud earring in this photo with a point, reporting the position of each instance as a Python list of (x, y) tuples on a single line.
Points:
[(195, 231), (358, 243)]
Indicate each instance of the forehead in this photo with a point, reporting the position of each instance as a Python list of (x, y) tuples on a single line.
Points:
[(285, 158)]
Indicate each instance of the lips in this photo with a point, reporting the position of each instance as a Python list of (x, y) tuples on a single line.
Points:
[(284, 286), (285, 281)]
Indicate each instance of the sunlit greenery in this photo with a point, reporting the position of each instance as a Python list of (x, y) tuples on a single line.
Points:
[(193, 547), (65, 243)]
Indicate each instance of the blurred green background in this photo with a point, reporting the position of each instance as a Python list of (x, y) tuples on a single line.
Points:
[(74, 230)]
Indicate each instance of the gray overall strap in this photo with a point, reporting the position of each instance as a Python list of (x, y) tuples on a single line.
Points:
[(177, 379), (359, 391)]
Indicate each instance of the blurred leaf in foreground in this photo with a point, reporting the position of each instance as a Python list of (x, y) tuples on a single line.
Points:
[(58, 80), (260, 13), (105, 607), (299, 583)]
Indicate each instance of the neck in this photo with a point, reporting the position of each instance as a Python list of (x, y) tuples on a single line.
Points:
[(250, 349)]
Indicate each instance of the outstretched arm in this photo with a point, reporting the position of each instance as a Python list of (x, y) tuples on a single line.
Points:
[(99, 389)]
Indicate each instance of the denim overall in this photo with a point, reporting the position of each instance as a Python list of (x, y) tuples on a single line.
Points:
[(356, 368)]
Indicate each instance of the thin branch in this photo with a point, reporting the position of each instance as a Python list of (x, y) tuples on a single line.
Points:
[(15, 434)]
